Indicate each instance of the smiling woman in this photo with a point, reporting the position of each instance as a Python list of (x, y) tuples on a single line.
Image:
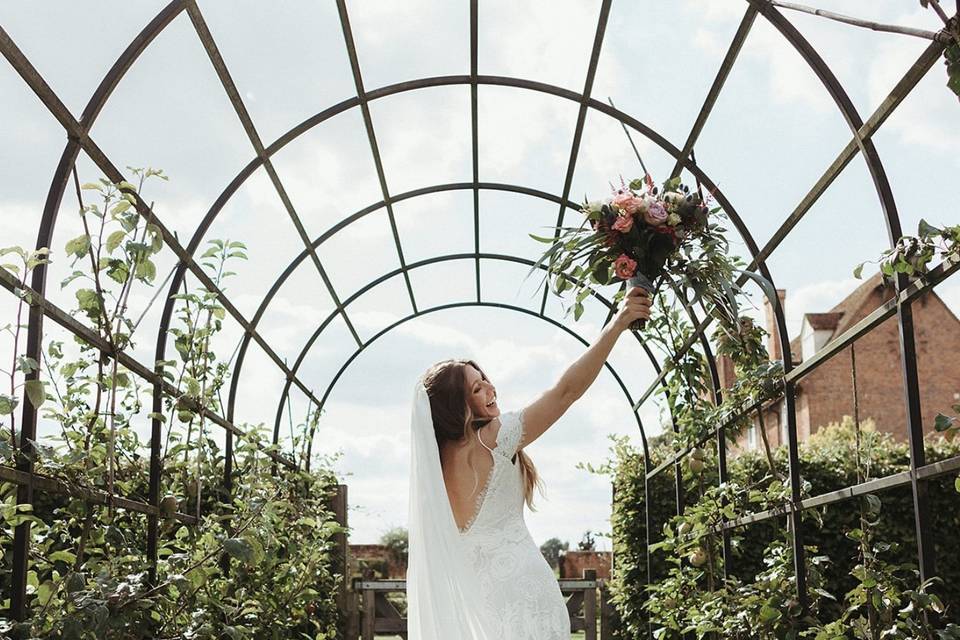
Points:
[(475, 571)]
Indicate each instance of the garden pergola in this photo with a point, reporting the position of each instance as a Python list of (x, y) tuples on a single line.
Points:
[(860, 144)]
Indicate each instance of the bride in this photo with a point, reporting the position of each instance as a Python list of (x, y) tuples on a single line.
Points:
[(474, 572)]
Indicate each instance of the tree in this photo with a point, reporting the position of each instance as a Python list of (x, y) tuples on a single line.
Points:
[(587, 543), (396, 541), (551, 551)]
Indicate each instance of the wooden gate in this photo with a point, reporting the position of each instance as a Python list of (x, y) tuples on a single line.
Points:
[(376, 615)]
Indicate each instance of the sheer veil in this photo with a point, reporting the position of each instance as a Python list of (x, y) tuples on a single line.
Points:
[(443, 595)]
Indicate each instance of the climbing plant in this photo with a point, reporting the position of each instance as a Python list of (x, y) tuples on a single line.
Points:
[(255, 562)]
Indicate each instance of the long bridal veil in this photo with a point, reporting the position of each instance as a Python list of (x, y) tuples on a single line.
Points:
[(443, 596)]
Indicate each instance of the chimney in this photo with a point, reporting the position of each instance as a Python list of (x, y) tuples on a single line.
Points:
[(773, 339), (726, 372)]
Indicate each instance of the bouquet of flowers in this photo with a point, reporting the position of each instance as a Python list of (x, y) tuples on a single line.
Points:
[(639, 233)]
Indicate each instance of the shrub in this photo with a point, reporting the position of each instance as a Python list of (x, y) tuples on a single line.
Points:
[(828, 462)]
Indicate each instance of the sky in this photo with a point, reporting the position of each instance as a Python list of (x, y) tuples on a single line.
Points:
[(772, 134)]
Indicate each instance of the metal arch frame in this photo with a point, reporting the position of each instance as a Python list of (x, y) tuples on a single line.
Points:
[(452, 80), (905, 321), (581, 122), (417, 265), (339, 226), (78, 139), (489, 304), (908, 355)]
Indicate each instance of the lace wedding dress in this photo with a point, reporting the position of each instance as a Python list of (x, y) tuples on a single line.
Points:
[(515, 580)]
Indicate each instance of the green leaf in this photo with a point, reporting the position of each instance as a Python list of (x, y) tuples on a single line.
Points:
[(63, 556), (78, 246), (239, 548), (146, 270), (45, 591), (73, 276), (75, 583), (88, 300), (956, 484), (114, 240), (943, 422), (765, 284), (120, 207), (118, 270), (35, 392), (8, 404), (858, 271), (768, 614), (926, 230), (26, 365)]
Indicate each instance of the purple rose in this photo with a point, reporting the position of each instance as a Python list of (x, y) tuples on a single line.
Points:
[(655, 215)]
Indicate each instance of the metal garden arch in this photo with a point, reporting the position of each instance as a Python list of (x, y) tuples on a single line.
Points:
[(859, 144)]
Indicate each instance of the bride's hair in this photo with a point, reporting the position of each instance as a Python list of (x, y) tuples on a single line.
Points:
[(453, 419)]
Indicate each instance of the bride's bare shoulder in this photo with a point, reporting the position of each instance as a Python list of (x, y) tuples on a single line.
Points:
[(490, 432)]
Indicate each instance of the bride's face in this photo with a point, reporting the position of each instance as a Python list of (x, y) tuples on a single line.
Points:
[(481, 394)]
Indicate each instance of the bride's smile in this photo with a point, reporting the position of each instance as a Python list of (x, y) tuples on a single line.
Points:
[(481, 395)]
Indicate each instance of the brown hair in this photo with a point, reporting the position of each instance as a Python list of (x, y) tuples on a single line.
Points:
[(453, 419)]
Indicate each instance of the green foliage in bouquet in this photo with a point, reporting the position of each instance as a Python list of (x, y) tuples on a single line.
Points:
[(649, 236)]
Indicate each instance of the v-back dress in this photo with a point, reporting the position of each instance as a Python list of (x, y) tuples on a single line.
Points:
[(516, 581)]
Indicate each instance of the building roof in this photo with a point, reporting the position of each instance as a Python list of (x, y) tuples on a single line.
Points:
[(821, 321), (844, 314)]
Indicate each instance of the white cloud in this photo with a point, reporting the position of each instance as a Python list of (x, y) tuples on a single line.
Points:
[(818, 297), (927, 117)]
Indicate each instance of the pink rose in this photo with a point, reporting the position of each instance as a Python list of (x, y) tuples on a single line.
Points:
[(624, 267), (623, 224), (655, 215), (627, 202)]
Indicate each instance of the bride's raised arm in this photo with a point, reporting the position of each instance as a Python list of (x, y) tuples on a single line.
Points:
[(553, 403)]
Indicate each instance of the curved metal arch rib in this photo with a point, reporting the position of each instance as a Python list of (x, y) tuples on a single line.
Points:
[(473, 303), (641, 128), (412, 266), (339, 226)]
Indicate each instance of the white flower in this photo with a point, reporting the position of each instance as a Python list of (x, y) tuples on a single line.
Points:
[(673, 197)]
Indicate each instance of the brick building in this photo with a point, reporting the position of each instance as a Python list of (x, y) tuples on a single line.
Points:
[(573, 563), (826, 394)]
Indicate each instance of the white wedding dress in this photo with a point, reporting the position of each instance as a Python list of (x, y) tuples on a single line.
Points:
[(515, 580)]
